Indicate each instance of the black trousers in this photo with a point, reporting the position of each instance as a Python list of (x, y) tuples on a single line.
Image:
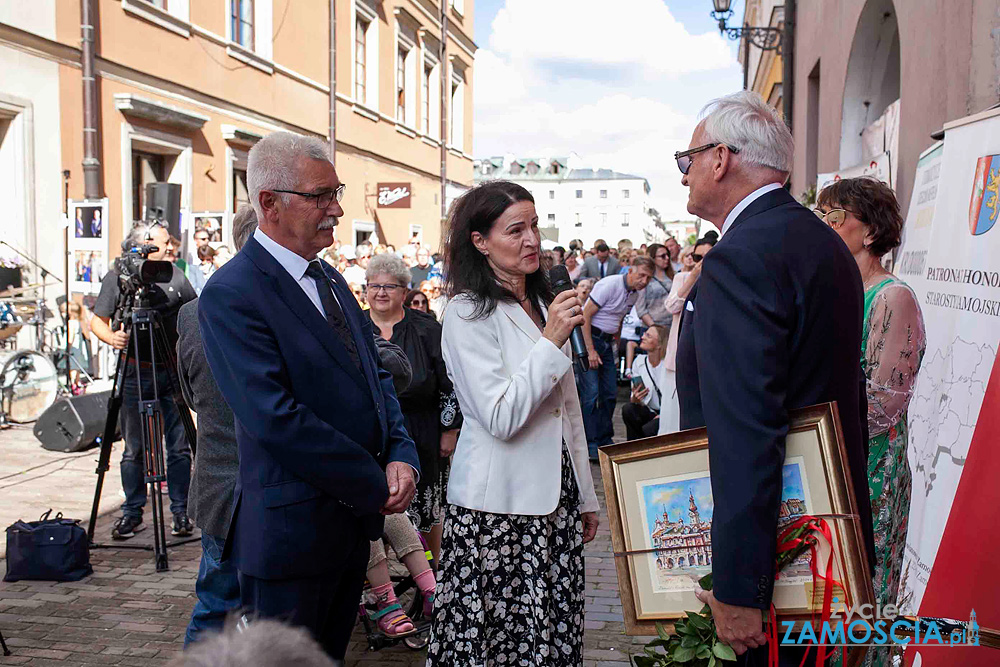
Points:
[(327, 606), (640, 421)]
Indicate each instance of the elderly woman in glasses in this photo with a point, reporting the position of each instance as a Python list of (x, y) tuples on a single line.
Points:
[(429, 405), (864, 212)]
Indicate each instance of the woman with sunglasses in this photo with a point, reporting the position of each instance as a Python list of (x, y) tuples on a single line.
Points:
[(429, 405), (417, 300), (683, 283), (864, 212)]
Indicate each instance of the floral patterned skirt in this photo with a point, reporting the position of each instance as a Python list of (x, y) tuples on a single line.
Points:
[(510, 587)]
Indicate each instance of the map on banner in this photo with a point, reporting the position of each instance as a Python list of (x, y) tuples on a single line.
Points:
[(951, 259)]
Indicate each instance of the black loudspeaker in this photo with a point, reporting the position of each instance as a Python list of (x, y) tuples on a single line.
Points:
[(163, 204), (74, 423)]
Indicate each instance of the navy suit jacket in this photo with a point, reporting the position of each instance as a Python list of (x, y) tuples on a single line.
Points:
[(314, 432), (773, 324)]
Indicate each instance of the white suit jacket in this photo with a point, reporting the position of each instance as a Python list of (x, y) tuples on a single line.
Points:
[(519, 402)]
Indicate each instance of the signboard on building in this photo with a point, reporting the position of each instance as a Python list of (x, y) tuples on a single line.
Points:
[(394, 195), (879, 167)]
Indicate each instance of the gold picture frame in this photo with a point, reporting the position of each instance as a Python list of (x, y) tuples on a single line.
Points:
[(656, 493)]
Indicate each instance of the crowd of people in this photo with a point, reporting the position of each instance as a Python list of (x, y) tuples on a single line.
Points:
[(354, 398)]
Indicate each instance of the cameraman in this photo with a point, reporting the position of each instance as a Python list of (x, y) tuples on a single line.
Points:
[(165, 299)]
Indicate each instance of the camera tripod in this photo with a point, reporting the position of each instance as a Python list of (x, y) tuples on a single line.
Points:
[(146, 329)]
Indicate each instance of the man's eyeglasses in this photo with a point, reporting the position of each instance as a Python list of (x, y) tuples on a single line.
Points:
[(835, 216), (323, 199), (684, 157), (388, 289)]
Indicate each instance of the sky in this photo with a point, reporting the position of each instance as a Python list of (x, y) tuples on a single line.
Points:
[(622, 88)]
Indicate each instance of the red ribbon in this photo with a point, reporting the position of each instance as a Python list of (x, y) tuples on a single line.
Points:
[(813, 525)]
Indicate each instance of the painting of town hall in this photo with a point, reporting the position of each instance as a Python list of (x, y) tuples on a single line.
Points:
[(678, 524)]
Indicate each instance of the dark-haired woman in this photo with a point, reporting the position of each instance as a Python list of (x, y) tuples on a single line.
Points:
[(521, 501), (865, 214), (417, 300)]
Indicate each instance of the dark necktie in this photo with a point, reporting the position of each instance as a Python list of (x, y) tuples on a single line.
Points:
[(603, 267), (334, 314)]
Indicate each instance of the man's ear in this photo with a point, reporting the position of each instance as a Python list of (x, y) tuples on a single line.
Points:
[(723, 162), (268, 204)]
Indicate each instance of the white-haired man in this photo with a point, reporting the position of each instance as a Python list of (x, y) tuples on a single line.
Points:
[(323, 450), (774, 324)]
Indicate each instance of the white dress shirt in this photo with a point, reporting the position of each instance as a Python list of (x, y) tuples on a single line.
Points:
[(749, 199), (296, 266)]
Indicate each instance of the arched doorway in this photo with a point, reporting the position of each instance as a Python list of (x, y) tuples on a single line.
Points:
[(873, 74)]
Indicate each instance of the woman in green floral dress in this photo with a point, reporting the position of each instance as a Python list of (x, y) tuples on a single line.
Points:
[(865, 213)]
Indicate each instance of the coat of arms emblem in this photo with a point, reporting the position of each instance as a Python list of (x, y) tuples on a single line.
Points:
[(984, 207)]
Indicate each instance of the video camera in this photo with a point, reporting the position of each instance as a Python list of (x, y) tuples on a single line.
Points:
[(136, 270)]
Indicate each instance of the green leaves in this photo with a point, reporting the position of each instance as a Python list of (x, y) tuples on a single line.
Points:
[(692, 645), (706, 582), (723, 651)]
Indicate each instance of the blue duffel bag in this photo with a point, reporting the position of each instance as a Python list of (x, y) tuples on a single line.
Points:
[(47, 550)]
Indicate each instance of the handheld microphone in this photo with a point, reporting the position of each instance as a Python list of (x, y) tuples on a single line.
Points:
[(559, 278)]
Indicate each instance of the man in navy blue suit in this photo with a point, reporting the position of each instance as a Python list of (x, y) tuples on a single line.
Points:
[(774, 324), (323, 451)]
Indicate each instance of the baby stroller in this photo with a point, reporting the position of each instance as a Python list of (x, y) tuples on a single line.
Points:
[(412, 602)]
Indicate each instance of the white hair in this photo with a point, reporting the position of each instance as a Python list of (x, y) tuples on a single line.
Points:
[(273, 164), (390, 263), (746, 122)]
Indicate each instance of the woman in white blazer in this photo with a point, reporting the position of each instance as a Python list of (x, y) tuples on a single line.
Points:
[(521, 501)]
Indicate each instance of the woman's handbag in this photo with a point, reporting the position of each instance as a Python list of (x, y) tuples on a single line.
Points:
[(47, 550)]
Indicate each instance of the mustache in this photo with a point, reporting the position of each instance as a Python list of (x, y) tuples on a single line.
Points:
[(328, 223)]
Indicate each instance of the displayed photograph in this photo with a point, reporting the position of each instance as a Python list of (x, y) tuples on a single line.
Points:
[(88, 266), (89, 222), (211, 225)]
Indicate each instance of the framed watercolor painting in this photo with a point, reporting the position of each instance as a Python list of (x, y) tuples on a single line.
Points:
[(659, 498)]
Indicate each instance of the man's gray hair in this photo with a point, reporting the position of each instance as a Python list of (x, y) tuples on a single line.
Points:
[(745, 121), (244, 225), (273, 163), (137, 235), (390, 263), (261, 644)]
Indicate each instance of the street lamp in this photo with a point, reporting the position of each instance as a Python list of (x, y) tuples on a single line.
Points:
[(765, 39)]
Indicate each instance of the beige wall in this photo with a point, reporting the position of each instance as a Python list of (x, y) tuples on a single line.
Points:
[(142, 57), (948, 70)]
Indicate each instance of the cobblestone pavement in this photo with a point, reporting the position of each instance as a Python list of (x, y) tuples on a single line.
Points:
[(128, 614)]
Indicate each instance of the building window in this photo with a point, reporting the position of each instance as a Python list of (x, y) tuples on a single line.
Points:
[(146, 168), (552, 194), (604, 194), (426, 92), (241, 27), (401, 85), (625, 218), (241, 194), (457, 113), (515, 168), (162, 4), (625, 194), (552, 217), (360, 69), (579, 194), (604, 219), (578, 223), (532, 168)]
